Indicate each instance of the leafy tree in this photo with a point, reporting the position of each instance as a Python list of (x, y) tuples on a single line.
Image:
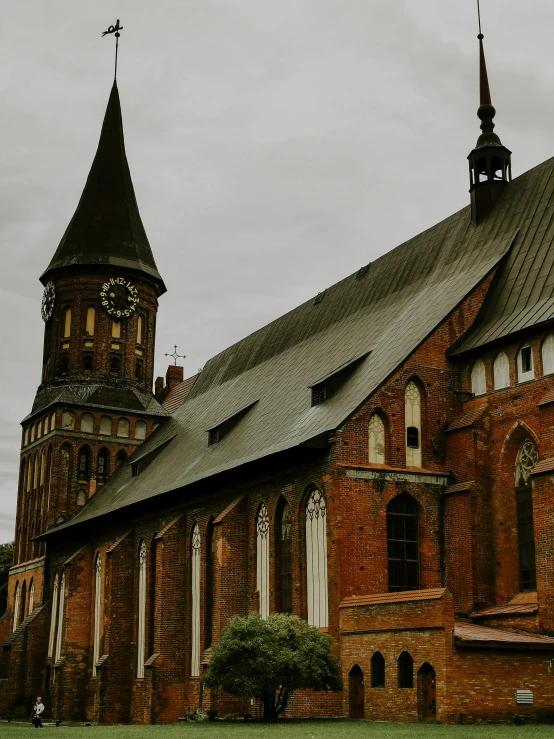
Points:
[(270, 659), (6, 559)]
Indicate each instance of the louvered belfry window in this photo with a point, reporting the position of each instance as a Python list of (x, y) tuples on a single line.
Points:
[(403, 543), (526, 460)]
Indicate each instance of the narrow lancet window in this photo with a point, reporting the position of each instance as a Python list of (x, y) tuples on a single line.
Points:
[(16, 607), (97, 613), (67, 323), (376, 440), (526, 460), (58, 652), (196, 550), (262, 560), (91, 314), (283, 556), (412, 413), (316, 559), (53, 617), (141, 631)]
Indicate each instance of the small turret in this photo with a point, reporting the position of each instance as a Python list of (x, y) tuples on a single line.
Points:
[(490, 167)]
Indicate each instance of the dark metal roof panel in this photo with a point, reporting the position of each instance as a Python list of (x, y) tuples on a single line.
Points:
[(396, 305)]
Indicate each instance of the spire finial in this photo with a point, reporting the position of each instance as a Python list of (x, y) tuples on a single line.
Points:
[(115, 29), (175, 356)]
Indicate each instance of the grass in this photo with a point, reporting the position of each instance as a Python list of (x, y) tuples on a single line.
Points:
[(289, 730)]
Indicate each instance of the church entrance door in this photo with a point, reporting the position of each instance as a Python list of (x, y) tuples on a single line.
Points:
[(356, 692), (427, 692)]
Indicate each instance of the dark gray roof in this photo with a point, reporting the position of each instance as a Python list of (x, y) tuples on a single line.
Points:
[(388, 312), (112, 398), (522, 295), (106, 228)]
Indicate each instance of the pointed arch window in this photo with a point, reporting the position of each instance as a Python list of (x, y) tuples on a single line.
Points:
[(196, 550), (26, 437), (210, 584), (97, 612), (501, 372), (91, 316), (138, 369), (478, 378), (37, 470), (115, 364), (262, 560), (527, 458), (67, 323), (46, 425), (376, 440), (84, 464), (120, 459), (377, 670), (316, 558), (16, 606), (403, 543), (53, 421), (283, 558), (405, 671), (141, 631), (548, 355), (42, 467), (59, 634), (31, 606), (102, 466), (53, 616), (412, 419)]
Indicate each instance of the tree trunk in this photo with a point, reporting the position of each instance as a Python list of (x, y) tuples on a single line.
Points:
[(282, 699)]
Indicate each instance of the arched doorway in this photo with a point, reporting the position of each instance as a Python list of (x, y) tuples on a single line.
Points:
[(427, 692), (356, 692)]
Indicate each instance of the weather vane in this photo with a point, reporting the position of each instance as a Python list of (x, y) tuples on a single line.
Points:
[(115, 29), (175, 355)]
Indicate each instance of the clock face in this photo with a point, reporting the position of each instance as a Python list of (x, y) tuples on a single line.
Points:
[(48, 300), (119, 297)]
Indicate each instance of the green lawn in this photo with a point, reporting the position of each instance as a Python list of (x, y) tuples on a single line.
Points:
[(289, 730)]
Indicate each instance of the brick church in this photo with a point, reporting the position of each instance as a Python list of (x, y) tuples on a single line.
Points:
[(378, 461)]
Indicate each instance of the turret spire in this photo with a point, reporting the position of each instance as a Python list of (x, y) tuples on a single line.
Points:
[(489, 162), (107, 228)]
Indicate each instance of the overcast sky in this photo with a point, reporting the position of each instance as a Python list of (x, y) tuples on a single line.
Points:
[(275, 147)]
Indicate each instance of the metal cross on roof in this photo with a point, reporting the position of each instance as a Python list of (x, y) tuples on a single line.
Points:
[(175, 355)]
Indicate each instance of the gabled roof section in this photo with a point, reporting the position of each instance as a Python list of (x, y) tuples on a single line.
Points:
[(106, 228), (405, 295), (522, 295)]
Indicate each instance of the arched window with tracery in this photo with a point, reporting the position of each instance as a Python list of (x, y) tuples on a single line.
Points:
[(141, 630), (376, 440), (97, 612), (403, 543), (59, 634), (548, 355), (53, 616), (196, 551), (16, 606), (478, 378), (527, 458), (316, 559), (412, 420), (283, 557), (262, 560)]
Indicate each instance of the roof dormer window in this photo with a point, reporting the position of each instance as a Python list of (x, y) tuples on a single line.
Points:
[(319, 394)]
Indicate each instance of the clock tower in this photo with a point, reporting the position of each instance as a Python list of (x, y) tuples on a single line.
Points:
[(94, 405)]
